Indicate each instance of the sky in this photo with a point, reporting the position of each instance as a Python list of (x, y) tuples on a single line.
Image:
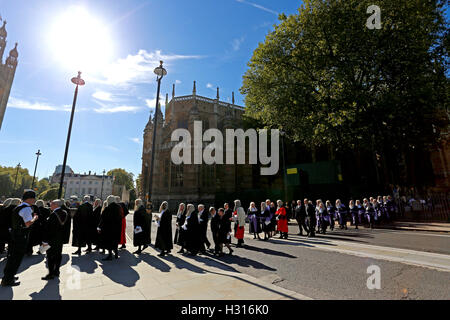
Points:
[(116, 45)]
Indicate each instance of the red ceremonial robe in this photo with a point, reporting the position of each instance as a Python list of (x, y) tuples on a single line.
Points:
[(282, 222), (123, 238), (238, 231)]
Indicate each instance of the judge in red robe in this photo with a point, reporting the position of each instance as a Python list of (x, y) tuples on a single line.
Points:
[(282, 222), (123, 212)]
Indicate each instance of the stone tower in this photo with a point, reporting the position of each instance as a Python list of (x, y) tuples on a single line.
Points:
[(7, 71)]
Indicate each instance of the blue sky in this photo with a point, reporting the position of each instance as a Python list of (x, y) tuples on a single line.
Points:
[(203, 40)]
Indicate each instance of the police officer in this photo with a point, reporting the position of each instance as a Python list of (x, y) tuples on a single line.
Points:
[(21, 220)]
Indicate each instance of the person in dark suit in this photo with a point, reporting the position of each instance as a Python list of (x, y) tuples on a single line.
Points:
[(310, 212), (110, 227), (300, 216), (54, 237), (81, 226), (141, 224), (164, 233), (223, 232), (228, 215), (5, 223)]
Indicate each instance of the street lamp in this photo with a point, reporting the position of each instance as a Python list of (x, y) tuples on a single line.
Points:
[(160, 73), (78, 82), (35, 167), (103, 178), (282, 133), (15, 180)]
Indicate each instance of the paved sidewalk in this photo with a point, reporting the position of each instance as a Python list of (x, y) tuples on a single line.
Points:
[(418, 226), (148, 276)]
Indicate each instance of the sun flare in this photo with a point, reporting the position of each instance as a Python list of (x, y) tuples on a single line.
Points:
[(80, 41)]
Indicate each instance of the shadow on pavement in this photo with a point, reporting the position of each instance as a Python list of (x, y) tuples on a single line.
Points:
[(49, 292), (120, 270), (86, 263), (153, 262), (183, 264), (268, 251)]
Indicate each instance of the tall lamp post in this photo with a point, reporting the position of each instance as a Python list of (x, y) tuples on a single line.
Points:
[(282, 133), (35, 167), (160, 73), (78, 82), (15, 180), (103, 178)]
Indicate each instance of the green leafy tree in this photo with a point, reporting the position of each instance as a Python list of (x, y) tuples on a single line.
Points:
[(122, 177), (326, 79), (50, 194)]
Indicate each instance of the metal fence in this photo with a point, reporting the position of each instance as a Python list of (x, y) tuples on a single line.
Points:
[(435, 208)]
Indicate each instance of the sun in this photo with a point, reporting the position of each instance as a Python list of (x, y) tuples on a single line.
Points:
[(80, 41)]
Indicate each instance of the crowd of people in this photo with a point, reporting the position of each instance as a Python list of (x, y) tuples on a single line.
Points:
[(100, 226)]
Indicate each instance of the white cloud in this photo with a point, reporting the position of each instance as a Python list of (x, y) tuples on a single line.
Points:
[(42, 106), (138, 68), (111, 148), (209, 85), (260, 7), (117, 109), (177, 81), (136, 140), (102, 95), (236, 43)]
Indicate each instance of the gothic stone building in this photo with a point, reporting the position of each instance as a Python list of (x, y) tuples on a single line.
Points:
[(7, 71), (192, 183)]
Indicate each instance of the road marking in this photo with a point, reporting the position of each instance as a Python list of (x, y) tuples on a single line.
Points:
[(430, 260)]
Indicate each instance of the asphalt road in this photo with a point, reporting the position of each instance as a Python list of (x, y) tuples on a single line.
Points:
[(298, 265)]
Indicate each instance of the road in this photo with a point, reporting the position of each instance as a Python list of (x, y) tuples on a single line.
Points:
[(413, 265)]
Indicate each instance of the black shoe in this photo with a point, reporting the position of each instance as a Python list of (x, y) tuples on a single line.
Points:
[(48, 277), (16, 278), (162, 254), (145, 247), (123, 247), (78, 252), (108, 258), (116, 256), (88, 250), (180, 251), (137, 252), (231, 252), (96, 249), (9, 283), (56, 274)]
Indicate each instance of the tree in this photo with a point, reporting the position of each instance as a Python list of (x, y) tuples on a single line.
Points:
[(326, 79), (50, 194), (122, 177)]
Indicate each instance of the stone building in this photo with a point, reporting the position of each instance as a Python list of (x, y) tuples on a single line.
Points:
[(193, 183), (7, 71)]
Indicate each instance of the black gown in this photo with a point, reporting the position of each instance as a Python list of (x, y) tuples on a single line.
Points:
[(164, 233), (111, 227), (179, 232), (81, 225), (95, 220), (141, 218), (5, 223), (192, 236), (54, 234)]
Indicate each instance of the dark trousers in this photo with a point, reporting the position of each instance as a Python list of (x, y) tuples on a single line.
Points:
[(204, 240), (54, 256), (2, 247), (312, 225), (217, 246), (302, 225), (18, 249)]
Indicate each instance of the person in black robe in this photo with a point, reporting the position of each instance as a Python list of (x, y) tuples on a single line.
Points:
[(81, 226), (215, 225), (141, 224), (310, 217), (191, 231), (110, 227), (223, 233), (39, 227), (164, 233), (54, 237), (33, 238), (94, 221), (68, 225), (203, 218), (5, 223), (179, 232), (228, 215), (273, 219)]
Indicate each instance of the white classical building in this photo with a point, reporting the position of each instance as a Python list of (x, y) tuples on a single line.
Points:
[(88, 184)]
